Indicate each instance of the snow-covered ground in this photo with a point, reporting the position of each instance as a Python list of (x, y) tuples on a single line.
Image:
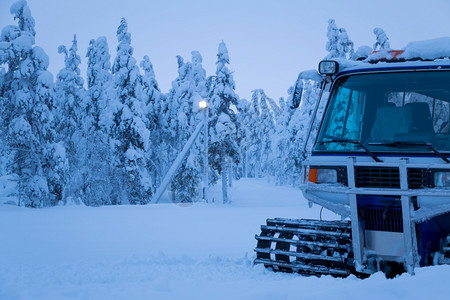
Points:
[(169, 251)]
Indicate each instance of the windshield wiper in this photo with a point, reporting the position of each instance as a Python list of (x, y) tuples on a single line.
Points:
[(356, 142), (409, 144)]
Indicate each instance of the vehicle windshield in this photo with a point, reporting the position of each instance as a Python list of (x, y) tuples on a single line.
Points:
[(381, 110)]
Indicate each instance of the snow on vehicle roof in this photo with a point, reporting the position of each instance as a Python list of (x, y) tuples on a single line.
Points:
[(430, 49), (429, 53)]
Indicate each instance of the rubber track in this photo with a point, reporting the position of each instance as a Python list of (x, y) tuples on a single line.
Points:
[(309, 247), (302, 243), (300, 268)]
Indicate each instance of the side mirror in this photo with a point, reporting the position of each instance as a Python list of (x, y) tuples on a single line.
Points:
[(297, 94), (310, 75)]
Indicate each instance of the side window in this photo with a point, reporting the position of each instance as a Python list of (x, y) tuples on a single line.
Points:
[(402, 98), (346, 119), (396, 98), (441, 116), (425, 109), (336, 122), (438, 109), (354, 117)]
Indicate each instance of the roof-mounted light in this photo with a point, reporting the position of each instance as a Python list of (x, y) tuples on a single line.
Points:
[(328, 67)]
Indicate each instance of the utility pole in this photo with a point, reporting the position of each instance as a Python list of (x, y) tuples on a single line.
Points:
[(203, 105)]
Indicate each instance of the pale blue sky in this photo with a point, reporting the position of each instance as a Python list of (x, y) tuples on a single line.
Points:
[(269, 42)]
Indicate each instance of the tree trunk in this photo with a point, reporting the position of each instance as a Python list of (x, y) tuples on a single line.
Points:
[(245, 171), (230, 172), (224, 182)]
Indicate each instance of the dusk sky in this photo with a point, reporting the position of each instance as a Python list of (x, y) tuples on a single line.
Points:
[(269, 42)]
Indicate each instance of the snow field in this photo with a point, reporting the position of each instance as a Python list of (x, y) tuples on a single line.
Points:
[(169, 251)]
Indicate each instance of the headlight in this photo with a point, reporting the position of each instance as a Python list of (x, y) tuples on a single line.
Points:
[(442, 179), (322, 175)]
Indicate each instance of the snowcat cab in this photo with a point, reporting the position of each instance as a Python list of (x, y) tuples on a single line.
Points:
[(381, 160)]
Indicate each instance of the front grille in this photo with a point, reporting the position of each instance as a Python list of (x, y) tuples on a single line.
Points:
[(383, 218), (420, 178), (381, 213), (373, 177)]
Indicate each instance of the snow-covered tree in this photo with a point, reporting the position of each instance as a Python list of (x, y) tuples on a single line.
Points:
[(254, 137), (243, 138), (268, 129), (97, 170), (292, 126), (224, 150), (3, 150), (150, 90), (382, 39), (130, 135), (70, 95), (155, 106), (2, 77), (345, 45), (339, 45), (256, 134), (177, 113), (333, 39), (26, 113), (281, 143), (184, 97), (70, 115), (299, 125), (99, 80)]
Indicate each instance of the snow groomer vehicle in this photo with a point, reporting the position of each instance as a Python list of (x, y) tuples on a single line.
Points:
[(378, 156)]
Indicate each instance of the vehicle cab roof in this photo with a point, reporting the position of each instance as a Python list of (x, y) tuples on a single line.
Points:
[(430, 54), (348, 67)]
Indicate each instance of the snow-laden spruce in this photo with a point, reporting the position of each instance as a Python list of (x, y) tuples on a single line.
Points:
[(26, 114), (339, 45), (70, 118), (184, 115), (258, 127), (382, 39), (129, 133), (155, 108), (97, 167), (224, 151)]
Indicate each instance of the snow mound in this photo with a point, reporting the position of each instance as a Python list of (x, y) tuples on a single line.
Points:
[(429, 49)]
